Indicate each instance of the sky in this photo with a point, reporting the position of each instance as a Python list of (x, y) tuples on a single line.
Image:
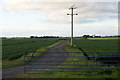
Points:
[(24, 18)]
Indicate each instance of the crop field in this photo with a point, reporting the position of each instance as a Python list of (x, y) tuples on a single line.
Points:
[(81, 67), (95, 68), (15, 48), (98, 44), (72, 67)]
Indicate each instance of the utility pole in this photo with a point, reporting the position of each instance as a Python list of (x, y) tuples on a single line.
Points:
[(72, 8)]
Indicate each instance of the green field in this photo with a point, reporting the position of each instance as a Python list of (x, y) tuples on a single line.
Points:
[(98, 69), (14, 49), (92, 44), (99, 44)]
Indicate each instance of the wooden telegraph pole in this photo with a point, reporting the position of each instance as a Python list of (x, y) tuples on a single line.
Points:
[(72, 8)]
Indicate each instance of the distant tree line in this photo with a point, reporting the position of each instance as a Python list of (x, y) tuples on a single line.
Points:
[(88, 36), (44, 37), (84, 36)]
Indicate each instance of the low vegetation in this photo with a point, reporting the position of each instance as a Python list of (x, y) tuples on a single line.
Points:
[(100, 44), (13, 50), (85, 68)]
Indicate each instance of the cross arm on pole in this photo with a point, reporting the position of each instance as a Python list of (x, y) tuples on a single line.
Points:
[(72, 14)]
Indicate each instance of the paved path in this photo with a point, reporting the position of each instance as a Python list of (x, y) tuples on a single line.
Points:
[(20, 69)]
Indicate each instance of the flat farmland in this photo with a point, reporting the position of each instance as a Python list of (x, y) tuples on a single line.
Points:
[(81, 67), (99, 44), (15, 48)]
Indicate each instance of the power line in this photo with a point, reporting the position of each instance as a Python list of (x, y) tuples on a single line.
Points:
[(72, 8)]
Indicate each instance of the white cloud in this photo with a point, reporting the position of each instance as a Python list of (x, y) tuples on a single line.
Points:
[(55, 13)]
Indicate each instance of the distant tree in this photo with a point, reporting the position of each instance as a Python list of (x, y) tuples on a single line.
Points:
[(31, 36), (85, 36), (36, 37)]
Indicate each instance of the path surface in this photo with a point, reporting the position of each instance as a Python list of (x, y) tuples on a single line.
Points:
[(20, 69)]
